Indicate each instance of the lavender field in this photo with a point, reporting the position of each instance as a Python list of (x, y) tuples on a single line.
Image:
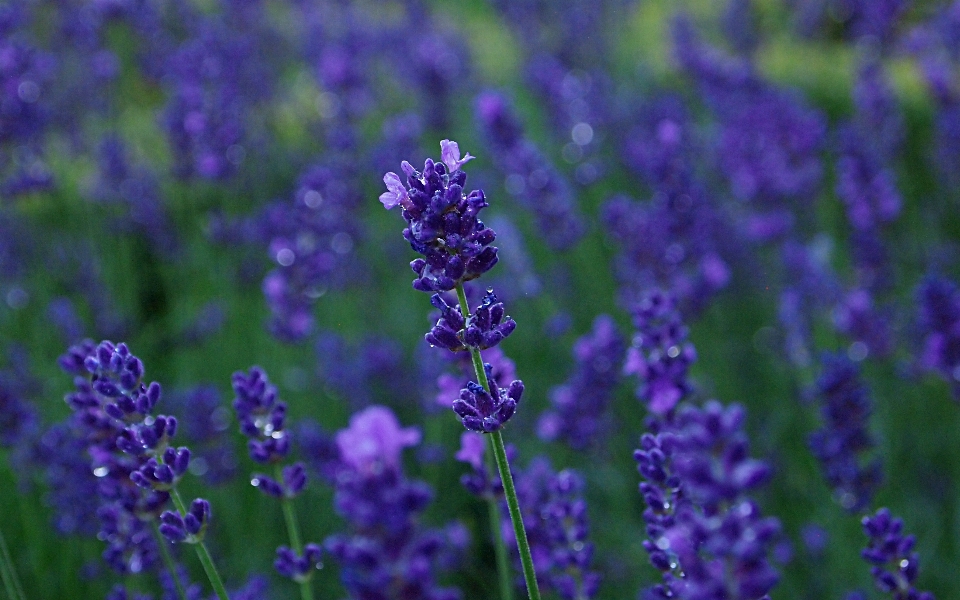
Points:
[(500, 299)]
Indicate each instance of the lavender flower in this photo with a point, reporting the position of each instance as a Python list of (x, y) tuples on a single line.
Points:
[(578, 412), (261, 416), (130, 452), (312, 245), (442, 221), (486, 326), (939, 324), (484, 411), (530, 177), (895, 565), (844, 439), (386, 553), (706, 536), (660, 355), (557, 525)]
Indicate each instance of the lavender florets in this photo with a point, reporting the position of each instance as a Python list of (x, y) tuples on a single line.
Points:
[(486, 412), (485, 328), (442, 221), (895, 564)]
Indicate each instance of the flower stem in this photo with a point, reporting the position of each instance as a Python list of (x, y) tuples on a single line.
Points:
[(202, 553), (168, 561), (499, 547), (293, 531), (500, 453), (513, 505), (9, 573)]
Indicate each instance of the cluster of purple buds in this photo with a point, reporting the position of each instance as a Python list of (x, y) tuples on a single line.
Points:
[(299, 568), (895, 564), (261, 416), (485, 328), (660, 356), (188, 528), (442, 221), (486, 412), (386, 553), (294, 479), (114, 383)]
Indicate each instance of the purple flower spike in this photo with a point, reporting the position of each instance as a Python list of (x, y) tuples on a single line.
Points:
[(443, 223), (895, 564), (266, 484), (261, 416), (487, 412), (298, 568)]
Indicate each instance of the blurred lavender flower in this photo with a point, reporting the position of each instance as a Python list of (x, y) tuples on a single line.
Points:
[(557, 525), (938, 301), (895, 565), (529, 176), (312, 243), (660, 354), (26, 81), (386, 553), (137, 190), (843, 438), (768, 142), (578, 412), (706, 536)]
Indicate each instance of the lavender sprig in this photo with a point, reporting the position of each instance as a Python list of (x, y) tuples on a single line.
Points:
[(895, 564), (127, 443), (262, 419), (443, 226)]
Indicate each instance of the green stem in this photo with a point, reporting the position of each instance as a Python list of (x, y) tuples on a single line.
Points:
[(526, 559), (168, 560), (9, 573), (202, 553), (500, 453), (306, 590), (499, 546)]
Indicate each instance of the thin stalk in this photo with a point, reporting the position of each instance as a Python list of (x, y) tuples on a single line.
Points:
[(500, 453), (9, 573), (526, 559), (499, 546), (306, 590), (202, 553), (168, 560)]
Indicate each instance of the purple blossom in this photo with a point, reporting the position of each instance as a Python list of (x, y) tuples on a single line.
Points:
[(375, 440), (705, 534), (843, 440), (261, 416), (443, 225), (385, 553), (298, 567), (529, 176), (660, 355), (486, 326), (895, 564), (484, 411), (578, 412), (938, 318), (311, 242), (557, 525)]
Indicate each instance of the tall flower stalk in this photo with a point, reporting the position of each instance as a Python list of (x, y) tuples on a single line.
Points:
[(443, 226)]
